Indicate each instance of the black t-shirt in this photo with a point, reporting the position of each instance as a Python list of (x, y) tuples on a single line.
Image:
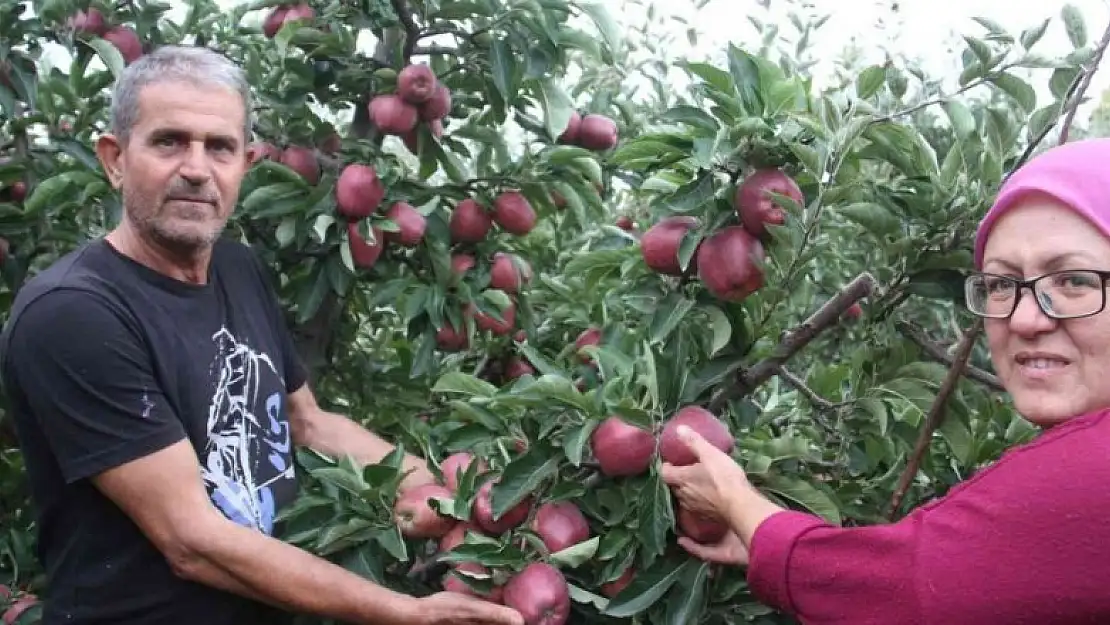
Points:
[(105, 361)]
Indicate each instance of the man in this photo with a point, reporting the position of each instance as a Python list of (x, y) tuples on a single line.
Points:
[(157, 394)]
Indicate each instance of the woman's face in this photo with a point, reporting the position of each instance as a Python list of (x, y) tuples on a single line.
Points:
[(1054, 369)]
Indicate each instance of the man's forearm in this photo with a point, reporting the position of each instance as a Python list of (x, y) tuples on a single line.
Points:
[(243, 561), (336, 435)]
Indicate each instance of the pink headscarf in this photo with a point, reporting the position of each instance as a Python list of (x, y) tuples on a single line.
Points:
[(1075, 174)]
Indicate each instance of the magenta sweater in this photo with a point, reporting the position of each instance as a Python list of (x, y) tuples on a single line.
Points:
[(1025, 541)]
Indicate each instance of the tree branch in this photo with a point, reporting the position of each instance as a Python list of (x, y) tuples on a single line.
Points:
[(412, 32), (936, 415), (1088, 74), (428, 50), (441, 29), (799, 385), (794, 340), (936, 352)]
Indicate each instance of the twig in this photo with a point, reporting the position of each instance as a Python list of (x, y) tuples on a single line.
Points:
[(937, 353), (441, 29), (1087, 76), (799, 385), (936, 415), (794, 340)]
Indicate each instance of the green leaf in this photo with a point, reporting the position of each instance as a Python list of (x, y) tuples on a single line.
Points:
[(610, 31), (1021, 91), (522, 477), (963, 123), (1075, 25), (459, 382), (686, 600), (873, 217), (108, 53), (670, 313), (804, 494), (656, 515), (557, 107), (576, 555), (1030, 36), (746, 80), (870, 81), (504, 66), (647, 587)]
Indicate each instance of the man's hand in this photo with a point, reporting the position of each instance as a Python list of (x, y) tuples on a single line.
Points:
[(447, 608), (730, 550)]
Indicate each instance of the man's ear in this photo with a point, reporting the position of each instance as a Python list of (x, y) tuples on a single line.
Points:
[(108, 151)]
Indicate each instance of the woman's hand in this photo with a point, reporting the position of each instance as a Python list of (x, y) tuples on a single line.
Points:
[(730, 550), (708, 486)]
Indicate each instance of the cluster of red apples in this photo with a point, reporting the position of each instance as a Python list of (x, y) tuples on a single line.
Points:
[(93, 22), (419, 98), (284, 14), (539, 591), (729, 261)]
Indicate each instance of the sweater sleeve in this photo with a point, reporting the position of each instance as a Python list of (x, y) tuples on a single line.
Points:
[(1020, 542)]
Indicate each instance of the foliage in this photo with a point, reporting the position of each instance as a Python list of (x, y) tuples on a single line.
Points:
[(895, 172)]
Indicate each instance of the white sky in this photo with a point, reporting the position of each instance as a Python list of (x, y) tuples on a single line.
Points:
[(926, 29)]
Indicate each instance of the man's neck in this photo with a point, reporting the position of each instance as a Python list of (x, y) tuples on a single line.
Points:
[(190, 267)]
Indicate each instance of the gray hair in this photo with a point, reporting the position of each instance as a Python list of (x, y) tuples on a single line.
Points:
[(175, 63)]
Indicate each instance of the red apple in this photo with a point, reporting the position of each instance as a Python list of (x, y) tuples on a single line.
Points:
[(469, 222), (89, 22), (590, 336), (450, 339), (416, 83), (303, 161), (358, 191), (513, 212), (410, 221), (730, 264), (597, 132), (699, 528), (622, 449), (416, 517), (540, 594), (560, 524), (453, 583), (700, 420), (392, 115), (660, 244), (126, 40), (365, 254), (570, 134), (482, 511), (611, 589), (438, 106), (518, 368), (455, 465), (490, 324), (755, 206), (509, 272)]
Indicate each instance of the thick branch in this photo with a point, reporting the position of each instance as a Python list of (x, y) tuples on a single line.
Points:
[(441, 29), (936, 352), (936, 415), (427, 50), (412, 32), (795, 340), (1088, 74)]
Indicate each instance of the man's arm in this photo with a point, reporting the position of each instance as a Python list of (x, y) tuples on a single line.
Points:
[(336, 435)]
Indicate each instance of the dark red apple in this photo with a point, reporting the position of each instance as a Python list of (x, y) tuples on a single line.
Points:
[(659, 245), (455, 465), (700, 420), (358, 191), (539, 592), (410, 221), (513, 212), (365, 254), (461, 263), (416, 517), (509, 272), (730, 264), (560, 524), (264, 150), (482, 512), (416, 83), (490, 324), (611, 589), (469, 222), (699, 528), (517, 368), (438, 106), (300, 11), (89, 22), (456, 536), (624, 222), (755, 206), (274, 21), (392, 115), (126, 40), (589, 336), (450, 339), (855, 311), (303, 161), (622, 449), (597, 132)]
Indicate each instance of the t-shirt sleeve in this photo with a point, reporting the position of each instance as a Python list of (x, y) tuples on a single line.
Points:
[(89, 381), (296, 374)]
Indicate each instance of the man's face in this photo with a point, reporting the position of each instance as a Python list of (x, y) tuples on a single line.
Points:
[(181, 169)]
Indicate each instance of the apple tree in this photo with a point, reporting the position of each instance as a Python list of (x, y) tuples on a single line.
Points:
[(500, 251)]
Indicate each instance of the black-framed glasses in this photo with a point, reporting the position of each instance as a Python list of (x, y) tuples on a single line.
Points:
[(1069, 294)]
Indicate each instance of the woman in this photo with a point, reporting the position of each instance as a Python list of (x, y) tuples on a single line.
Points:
[(1026, 540)]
